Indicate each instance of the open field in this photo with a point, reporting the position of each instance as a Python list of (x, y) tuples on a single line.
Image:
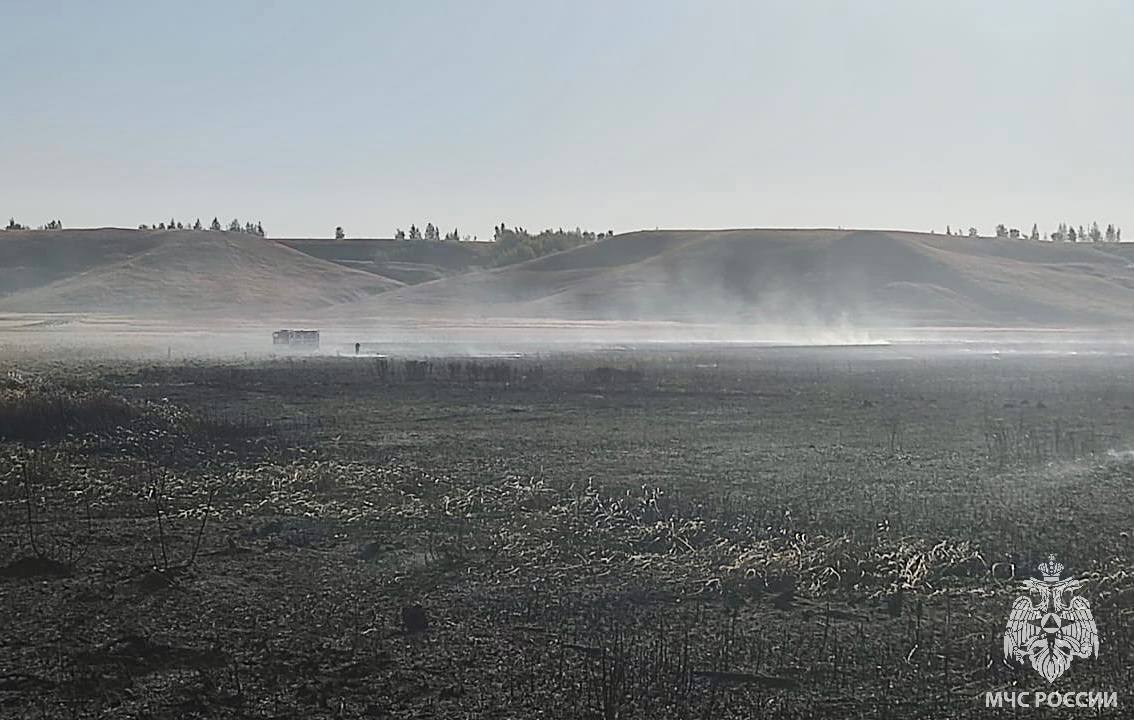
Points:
[(656, 532)]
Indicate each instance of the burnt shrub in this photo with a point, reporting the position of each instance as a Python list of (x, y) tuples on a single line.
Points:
[(49, 414)]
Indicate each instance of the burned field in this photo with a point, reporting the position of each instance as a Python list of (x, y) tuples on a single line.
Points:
[(674, 533)]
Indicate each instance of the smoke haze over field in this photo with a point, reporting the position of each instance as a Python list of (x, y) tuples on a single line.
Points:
[(789, 115), (638, 359), (819, 279), (224, 293)]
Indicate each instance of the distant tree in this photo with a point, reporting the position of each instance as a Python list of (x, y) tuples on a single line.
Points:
[(260, 229), (400, 234), (517, 244), (1118, 234), (161, 226), (414, 233), (1014, 233), (1071, 236), (1001, 231), (1035, 232), (172, 223), (948, 229), (972, 232), (339, 234), (215, 226), (431, 232), (1110, 232), (197, 224), (143, 226), (234, 225), (1095, 233)]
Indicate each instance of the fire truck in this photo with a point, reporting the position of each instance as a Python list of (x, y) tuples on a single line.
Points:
[(296, 339)]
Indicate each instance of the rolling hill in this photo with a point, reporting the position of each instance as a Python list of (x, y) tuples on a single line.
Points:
[(406, 262), (150, 273), (793, 277), (782, 277)]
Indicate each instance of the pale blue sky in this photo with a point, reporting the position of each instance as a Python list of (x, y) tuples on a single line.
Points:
[(607, 115)]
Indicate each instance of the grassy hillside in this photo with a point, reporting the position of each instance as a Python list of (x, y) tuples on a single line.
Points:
[(163, 272), (796, 276), (786, 277), (30, 258), (406, 262)]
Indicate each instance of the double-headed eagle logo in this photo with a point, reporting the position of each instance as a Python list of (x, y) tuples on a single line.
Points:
[(1051, 632)]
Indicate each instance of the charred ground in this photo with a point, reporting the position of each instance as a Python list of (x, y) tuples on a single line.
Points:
[(677, 533)]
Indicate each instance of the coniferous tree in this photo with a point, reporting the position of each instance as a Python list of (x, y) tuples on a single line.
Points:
[(197, 224), (339, 233), (1035, 232), (215, 226), (400, 234), (414, 233)]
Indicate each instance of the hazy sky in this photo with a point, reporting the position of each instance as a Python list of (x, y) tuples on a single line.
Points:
[(607, 115)]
